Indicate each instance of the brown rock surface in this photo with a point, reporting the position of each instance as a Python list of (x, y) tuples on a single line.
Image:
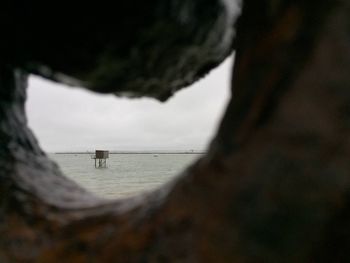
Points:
[(274, 186)]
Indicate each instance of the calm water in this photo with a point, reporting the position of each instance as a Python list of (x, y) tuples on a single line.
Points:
[(126, 174)]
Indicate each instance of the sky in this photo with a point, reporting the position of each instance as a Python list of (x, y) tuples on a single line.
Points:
[(66, 119)]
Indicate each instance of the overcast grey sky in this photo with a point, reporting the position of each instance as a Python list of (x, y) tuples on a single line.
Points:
[(72, 119)]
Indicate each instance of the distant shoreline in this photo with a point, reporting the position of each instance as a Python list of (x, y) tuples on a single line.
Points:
[(132, 153)]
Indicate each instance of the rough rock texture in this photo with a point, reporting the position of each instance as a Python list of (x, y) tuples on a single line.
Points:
[(274, 186), (151, 48)]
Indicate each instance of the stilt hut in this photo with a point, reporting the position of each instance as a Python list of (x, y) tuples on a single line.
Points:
[(101, 157)]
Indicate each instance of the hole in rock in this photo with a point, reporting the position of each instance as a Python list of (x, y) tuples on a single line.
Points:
[(149, 142)]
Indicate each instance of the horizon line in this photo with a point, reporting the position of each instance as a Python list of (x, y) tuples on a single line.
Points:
[(131, 151)]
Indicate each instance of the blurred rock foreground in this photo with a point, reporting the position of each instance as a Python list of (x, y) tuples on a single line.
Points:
[(274, 186)]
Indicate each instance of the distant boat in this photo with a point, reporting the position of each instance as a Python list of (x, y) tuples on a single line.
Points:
[(155, 155)]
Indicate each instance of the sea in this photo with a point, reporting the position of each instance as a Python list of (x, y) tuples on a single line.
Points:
[(126, 174)]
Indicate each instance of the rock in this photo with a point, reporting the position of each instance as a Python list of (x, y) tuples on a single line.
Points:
[(134, 48), (274, 186)]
